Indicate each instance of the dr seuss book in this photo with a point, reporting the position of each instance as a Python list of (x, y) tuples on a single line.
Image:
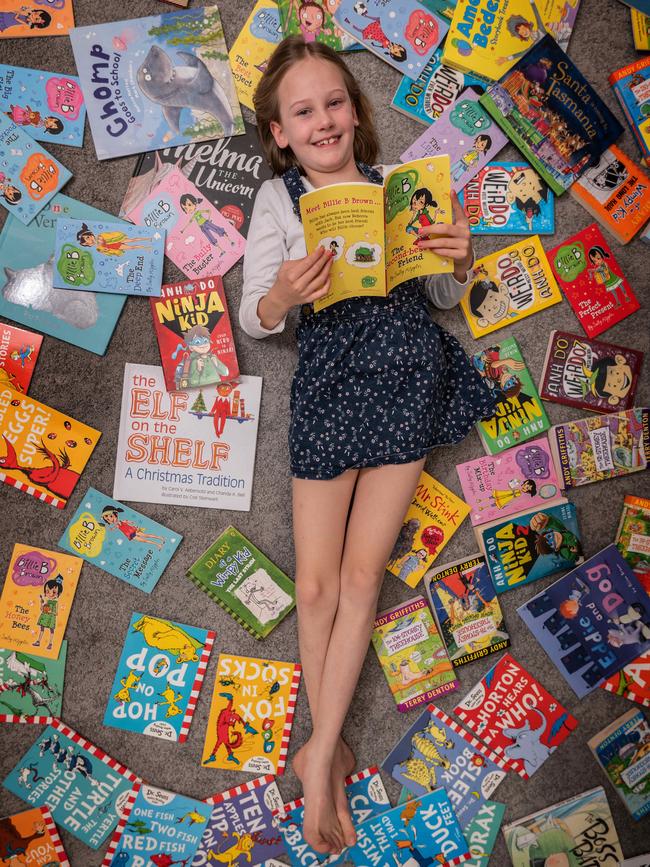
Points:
[(509, 285), (511, 711), (633, 536), (371, 231), (32, 835), (412, 654), (251, 714), (632, 681), (188, 448), (18, 354), (482, 831), (194, 334), (433, 517), (240, 578), (592, 621), (552, 114), (36, 600), (161, 80), (252, 48), (589, 374), (640, 30), (40, 19), (85, 789), (120, 540), (314, 23), (31, 686), (591, 278), (519, 414), (632, 88)]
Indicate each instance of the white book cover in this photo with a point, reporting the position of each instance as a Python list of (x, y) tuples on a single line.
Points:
[(187, 448)]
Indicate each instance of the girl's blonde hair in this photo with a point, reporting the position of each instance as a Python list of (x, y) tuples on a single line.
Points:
[(267, 109)]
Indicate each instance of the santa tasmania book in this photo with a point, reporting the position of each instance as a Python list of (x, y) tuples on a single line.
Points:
[(18, 353), (31, 686), (31, 838)]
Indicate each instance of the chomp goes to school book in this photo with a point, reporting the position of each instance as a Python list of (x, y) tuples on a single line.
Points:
[(371, 231)]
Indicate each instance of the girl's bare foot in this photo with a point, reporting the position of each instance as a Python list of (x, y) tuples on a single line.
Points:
[(342, 767), (321, 827)]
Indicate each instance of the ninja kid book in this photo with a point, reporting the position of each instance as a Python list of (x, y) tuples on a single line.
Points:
[(18, 355), (33, 835), (31, 686)]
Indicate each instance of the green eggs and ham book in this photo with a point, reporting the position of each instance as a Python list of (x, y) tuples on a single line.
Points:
[(240, 578), (31, 686)]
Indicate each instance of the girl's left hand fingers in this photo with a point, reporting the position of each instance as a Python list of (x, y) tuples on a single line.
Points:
[(460, 217), (455, 230)]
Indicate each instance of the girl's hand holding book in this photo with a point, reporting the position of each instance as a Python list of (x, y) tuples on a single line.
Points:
[(299, 281), (453, 241)]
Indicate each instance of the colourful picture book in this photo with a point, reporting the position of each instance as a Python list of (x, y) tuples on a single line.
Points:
[(159, 677), (519, 414), (18, 354), (251, 714), (61, 764), (511, 711), (36, 600), (632, 681), (559, 18), (208, 458), (163, 80), (314, 24), (43, 451), (482, 831), (412, 654), (592, 621), (534, 103), (582, 823), (633, 536), (631, 85), (252, 48), (433, 517), (52, 19), (508, 198), (509, 285), (601, 447), (194, 334), (467, 609), (33, 836), (31, 686), (466, 132), (640, 33), (240, 578), (120, 540)]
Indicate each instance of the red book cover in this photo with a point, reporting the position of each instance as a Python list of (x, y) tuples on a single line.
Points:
[(591, 278), (194, 334), (18, 353), (511, 711)]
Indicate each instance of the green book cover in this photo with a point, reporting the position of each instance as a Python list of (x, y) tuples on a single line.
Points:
[(31, 686), (245, 582)]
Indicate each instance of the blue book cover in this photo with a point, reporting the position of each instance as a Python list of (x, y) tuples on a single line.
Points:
[(48, 106), (108, 257), (29, 176), (84, 789), (27, 295), (481, 832), (120, 540), (508, 198), (632, 88), (156, 82), (158, 677), (593, 621), (621, 749)]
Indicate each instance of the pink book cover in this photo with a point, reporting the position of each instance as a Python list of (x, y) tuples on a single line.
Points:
[(199, 240), (518, 479)]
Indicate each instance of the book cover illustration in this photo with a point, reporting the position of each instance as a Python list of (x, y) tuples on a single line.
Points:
[(433, 517), (240, 578), (589, 374), (314, 22), (202, 452), (50, 19), (516, 716), (108, 257), (30, 837), (27, 296), (632, 681), (559, 18), (640, 33), (466, 132), (532, 545), (158, 677), (253, 46), (194, 334), (631, 85), (509, 285), (467, 609), (163, 80), (519, 414), (251, 714), (592, 621), (582, 824), (30, 176), (31, 686), (48, 106), (44, 451), (508, 198), (482, 831), (633, 536), (591, 278), (119, 540), (622, 751), (412, 654), (36, 600), (60, 765), (18, 355), (535, 104)]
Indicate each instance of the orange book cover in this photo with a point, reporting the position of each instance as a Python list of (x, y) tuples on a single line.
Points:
[(53, 18)]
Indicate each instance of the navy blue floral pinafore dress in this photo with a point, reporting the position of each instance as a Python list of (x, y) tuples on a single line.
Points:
[(378, 381)]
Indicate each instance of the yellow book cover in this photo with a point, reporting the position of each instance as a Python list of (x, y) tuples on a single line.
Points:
[(432, 519), (36, 600), (509, 285), (371, 230), (253, 47), (640, 30), (251, 714)]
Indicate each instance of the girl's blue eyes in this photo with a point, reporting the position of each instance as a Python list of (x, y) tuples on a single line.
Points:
[(304, 111)]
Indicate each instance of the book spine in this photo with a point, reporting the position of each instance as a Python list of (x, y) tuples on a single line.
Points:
[(235, 792), (558, 445), (288, 723), (119, 829), (196, 687), (54, 836), (645, 434)]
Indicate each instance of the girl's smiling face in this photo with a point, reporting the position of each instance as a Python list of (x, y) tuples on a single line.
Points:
[(51, 592), (188, 207), (596, 258), (311, 18), (417, 203)]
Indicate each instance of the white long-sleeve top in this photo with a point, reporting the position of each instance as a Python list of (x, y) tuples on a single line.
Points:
[(275, 235)]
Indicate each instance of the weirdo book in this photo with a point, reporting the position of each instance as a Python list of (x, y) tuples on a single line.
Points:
[(18, 354), (31, 686), (32, 836)]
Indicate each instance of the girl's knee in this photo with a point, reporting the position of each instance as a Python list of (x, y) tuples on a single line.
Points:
[(317, 589), (361, 582)]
